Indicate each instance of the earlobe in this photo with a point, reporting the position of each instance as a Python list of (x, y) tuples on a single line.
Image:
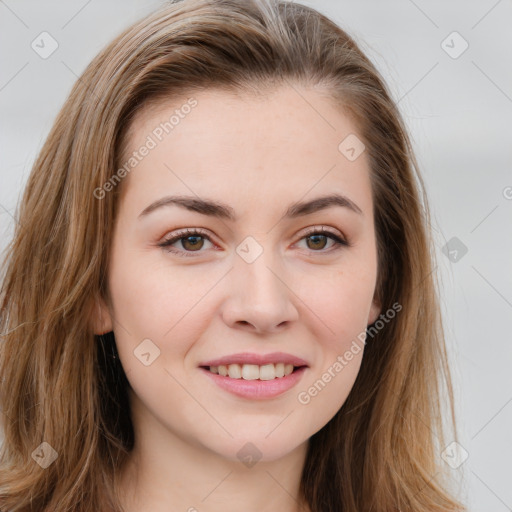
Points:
[(374, 312), (101, 320)]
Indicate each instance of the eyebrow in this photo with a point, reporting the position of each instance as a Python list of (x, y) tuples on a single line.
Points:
[(224, 211)]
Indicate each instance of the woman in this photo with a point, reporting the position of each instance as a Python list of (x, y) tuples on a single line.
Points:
[(220, 291)]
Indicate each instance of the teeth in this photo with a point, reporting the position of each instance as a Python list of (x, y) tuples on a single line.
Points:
[(267, 372), (253, 371), (250, 371), (234, 371)]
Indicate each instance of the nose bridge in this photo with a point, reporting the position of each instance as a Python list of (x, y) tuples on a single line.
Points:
[(256, 264), (259, 295)]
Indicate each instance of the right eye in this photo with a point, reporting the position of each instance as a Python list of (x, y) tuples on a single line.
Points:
[(189, 237)]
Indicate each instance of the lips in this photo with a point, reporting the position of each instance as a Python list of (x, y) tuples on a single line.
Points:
[(255, 376)]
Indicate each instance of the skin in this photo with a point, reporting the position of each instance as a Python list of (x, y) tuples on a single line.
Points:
[(258, 154)]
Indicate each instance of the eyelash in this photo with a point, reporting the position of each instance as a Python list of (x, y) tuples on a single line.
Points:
[(339, 242)]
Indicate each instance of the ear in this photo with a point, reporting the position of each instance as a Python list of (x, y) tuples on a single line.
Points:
[(101, 319), (374, 311)]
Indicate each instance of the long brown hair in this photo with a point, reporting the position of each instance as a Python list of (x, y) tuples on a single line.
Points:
[(62, 385)]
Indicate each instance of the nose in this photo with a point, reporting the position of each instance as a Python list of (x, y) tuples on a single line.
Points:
[(258, 298)]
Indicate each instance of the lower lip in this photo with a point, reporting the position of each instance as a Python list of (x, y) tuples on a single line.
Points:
[(257, 389)]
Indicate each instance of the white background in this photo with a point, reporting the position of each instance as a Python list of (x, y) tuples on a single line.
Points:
[(459, 113)]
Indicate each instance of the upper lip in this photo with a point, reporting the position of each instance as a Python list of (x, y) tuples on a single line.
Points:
[(258, 359)]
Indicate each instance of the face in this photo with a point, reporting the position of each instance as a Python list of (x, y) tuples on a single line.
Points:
[(257, 283)]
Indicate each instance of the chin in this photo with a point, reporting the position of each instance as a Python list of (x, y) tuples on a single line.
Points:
[(254, 447)]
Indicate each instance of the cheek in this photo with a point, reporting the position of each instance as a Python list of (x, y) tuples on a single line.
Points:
[(341, 302), (341, 293), (158, 311), (152, 300), (342, 308)]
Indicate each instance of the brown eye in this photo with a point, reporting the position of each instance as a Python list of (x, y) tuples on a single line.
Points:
[(192, 243), (317, 241)]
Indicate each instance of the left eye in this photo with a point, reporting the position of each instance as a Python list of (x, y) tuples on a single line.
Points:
[(319, 238), (191, 241)]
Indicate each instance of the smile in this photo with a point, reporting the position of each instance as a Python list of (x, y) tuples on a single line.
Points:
[(253, 371), (255, 376)]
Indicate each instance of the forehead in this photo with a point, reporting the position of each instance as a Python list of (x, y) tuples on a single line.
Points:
[(213, 141)]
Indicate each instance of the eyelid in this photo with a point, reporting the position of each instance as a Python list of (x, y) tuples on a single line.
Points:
[(166, 242), (323, 229), (183, 233)]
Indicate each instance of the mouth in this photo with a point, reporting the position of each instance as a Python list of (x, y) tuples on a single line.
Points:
[(268, 371), (254, 376)]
